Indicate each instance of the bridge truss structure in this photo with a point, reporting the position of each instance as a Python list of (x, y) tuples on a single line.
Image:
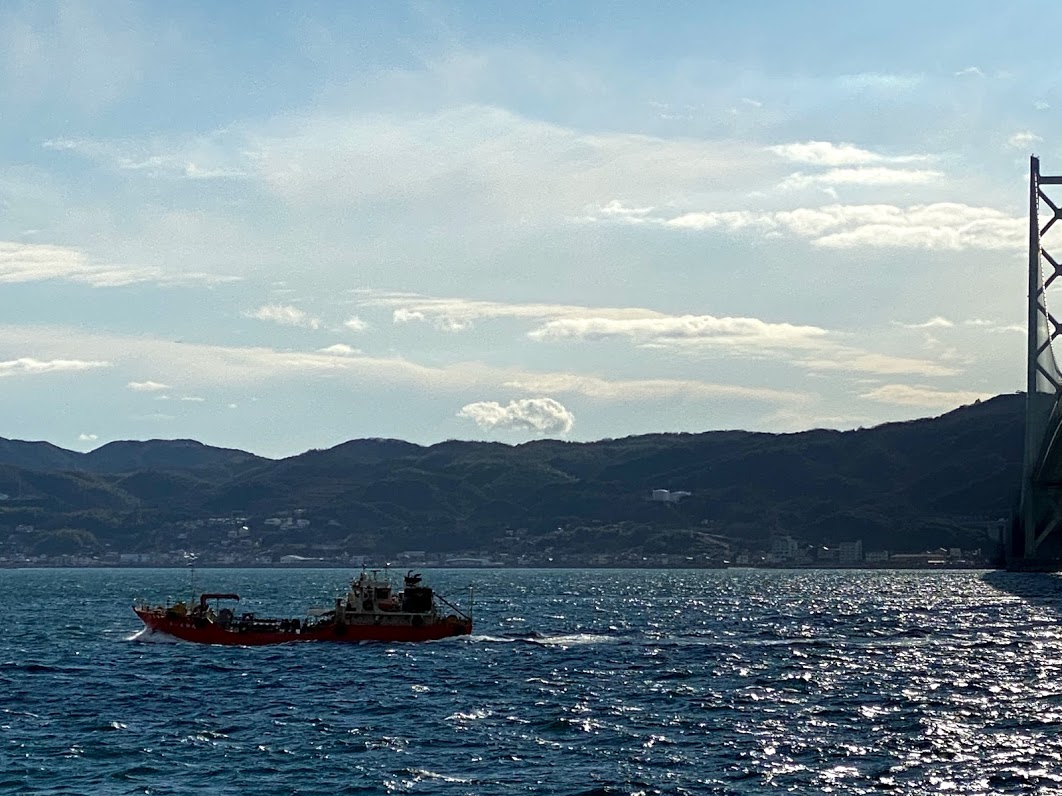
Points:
[(1036, 535)]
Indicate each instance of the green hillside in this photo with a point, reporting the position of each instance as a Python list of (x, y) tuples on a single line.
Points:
[(900, 486)]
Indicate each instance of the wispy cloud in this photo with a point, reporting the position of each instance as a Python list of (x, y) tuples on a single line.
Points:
[(38, 262), (1023, 140), (147, 386), (879, 81), (906, 395), (184, 398), (206, 366), (637, 390), (617, 208), (861, 176), (539, 415), (28, 366), (355, 324), (946, 226), (970, 71), (285, 315), (340, 350), (525, 170), (809, 347), (200, 158), (447, 323), (827, 153), (935, 322), (747, 332), (457, 314), (995, 326), (854, 360)]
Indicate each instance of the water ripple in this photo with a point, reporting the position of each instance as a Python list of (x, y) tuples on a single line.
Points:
[(576, 682)]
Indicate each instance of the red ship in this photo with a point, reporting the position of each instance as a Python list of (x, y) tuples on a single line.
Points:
[(371, 611)]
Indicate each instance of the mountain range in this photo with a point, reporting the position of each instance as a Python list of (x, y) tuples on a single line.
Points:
[(900, 486)]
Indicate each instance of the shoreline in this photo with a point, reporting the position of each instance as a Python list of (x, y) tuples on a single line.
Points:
[(983, 566)]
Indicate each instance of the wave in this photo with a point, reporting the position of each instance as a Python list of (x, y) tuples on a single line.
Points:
[(148, 636)]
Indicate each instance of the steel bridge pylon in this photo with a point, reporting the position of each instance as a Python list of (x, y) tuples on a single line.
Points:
[(1036, 534)]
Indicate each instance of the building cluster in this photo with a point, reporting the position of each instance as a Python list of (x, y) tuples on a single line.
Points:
[(291, 538), (668, 496), (786, 551)]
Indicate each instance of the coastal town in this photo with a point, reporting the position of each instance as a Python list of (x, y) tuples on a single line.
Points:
[(238, 541)]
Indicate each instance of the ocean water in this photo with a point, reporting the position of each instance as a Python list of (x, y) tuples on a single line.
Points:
[(575, 682)]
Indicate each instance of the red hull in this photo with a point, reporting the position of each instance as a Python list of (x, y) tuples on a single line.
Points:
[(201, 632)]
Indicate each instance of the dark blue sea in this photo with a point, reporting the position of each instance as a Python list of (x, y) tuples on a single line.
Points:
[(575, 682)]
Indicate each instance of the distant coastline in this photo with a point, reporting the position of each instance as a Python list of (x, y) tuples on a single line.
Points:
[(942, 567), (928, 493)]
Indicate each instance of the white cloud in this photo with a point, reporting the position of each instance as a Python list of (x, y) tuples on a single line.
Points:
[(339, 349), (970, 71), (355, 324), (996, 326), (638, 390), (749, 332), (816, 348), (617, 208), (879, 176), (854, 360), (879, 81), (284, 315), (936, 322), (31, 366), (36, 262), (827, 153), (405, 315), (203, 366), (442, 321), (456, 314), (201, 158), (453, 324), (943, 225), (208, 366), (1023, 140), (906, 395), (87, 437), (147, 386), (731, 220), (508, 167), (987, 234), (540, 415)]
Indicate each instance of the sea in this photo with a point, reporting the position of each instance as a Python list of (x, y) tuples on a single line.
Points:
[(581, 682)]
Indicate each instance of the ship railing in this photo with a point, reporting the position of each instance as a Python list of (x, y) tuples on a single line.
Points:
[(467, 617)]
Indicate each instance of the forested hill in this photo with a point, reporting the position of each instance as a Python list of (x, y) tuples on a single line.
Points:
[(901, 486)]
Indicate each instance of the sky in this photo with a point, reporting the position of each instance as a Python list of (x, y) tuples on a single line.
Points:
[(278, 227)]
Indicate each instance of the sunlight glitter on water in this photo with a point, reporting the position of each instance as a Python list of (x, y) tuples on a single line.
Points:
[(746, 682)]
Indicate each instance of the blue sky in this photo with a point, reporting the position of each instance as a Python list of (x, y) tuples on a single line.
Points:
[(278, 228)]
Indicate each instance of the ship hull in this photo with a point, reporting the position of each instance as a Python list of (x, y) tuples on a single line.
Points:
[(203, 632)]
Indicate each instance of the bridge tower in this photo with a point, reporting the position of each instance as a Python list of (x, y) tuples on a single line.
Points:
[(1036, 535)]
